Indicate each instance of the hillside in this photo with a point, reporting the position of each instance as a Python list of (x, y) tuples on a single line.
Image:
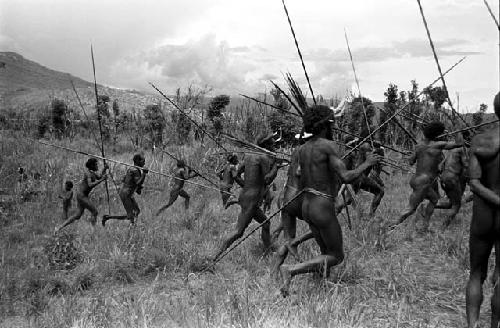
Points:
[(21, 75), (28, 86)]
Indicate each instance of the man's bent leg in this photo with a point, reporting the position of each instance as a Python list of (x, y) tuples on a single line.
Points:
[(433, 197), (320, 213), (75, 217), (416, 198), (282, 253), (172, 198), (377, 190), (186, 197)]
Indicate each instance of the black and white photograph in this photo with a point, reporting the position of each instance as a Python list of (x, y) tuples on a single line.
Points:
[(249, 164)]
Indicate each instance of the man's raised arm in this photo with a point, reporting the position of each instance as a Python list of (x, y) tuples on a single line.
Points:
[(347, 176)]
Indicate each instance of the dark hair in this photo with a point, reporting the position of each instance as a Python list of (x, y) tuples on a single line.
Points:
[(137, 158), (433, 130), (316, 117), (231, 157), (496, 104), (91, 162), (181, 163), (68, 184)]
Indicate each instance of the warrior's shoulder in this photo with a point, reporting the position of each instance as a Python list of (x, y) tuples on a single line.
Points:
[(486, 143)]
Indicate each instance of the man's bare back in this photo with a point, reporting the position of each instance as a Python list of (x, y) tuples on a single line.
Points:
[(320, 170)]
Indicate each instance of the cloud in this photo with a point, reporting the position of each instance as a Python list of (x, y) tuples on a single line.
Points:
[(205, 61), (268, 76), (398, 49)]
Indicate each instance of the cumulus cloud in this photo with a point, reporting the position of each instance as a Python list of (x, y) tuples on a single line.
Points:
[(398, 49), (205, 61)]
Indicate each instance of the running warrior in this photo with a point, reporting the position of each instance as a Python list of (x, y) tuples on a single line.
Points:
[(260, 171), (181, 175), (453, 180), (91, 179), (427, 154), (132, 183), (320, 169)]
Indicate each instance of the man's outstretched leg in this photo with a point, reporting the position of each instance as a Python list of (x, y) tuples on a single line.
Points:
[(186, 197), (172, 198), (282, 253), (244, 219), (415, 199)]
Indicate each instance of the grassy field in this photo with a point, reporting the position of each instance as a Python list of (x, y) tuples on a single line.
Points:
[(149, 276)]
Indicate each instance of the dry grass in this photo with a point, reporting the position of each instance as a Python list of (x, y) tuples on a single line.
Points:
[(147, 277)]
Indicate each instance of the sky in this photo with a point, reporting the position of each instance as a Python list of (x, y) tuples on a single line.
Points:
[(236, 47)]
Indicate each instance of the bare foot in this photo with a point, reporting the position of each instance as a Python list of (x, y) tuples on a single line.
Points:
[(104, 219), (287, 278)]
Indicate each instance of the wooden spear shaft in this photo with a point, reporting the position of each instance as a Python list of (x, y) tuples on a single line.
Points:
[(438, 65), (272, 106), (187, 116), (125, 164), (359, 89), (399, 110), (100, 124), (191, 168), (491, 13), (469, 128), (299, 52), (93, 132), (287, 98)]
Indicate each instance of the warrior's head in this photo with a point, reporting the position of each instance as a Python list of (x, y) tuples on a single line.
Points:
[(318, 119)]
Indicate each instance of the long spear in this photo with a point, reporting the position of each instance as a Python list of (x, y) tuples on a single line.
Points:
[(187, 116), (398, 111), (287, 98), (359, 89), (298, 50), (468, 128), (122, 163), (438, 65), (491, 13), (92, 130), (255, 147), (268, 104), (100, 124), (190, 168), (408, 133)]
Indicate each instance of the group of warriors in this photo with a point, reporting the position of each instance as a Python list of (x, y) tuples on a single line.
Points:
[(317, 178)]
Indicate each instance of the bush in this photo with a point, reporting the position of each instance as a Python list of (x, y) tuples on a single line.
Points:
[(61, 252)]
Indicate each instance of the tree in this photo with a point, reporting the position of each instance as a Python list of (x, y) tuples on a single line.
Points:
[(215, 109), (390, 106), (355, 117), (287, 124), (437, 95), (59, 111), (155, 123), (477, 117)]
